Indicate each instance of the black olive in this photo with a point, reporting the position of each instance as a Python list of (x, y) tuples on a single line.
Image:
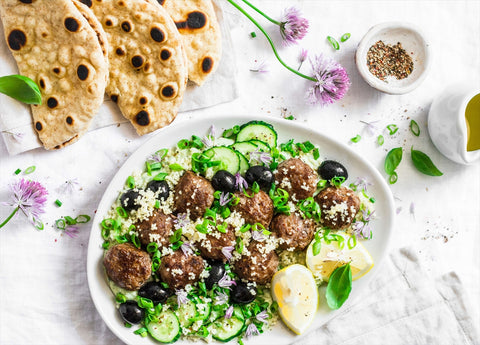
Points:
[(131, 312), (330, 169), (241, 294), (154, 291), (224, 181), (260, 174), (161, 186), (215, 274), (127, 200)]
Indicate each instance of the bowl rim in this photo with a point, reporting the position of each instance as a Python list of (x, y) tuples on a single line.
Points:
[(374, 81)]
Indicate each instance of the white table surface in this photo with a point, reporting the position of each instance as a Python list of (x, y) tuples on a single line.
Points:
[(44, 297)]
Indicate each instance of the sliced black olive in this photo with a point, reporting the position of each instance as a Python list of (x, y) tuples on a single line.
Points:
[(260, 174), (215, 274), (131, 312), (127, 200), (224, 181), (330, 169), (155, 292), (241, 294), (161, 187)]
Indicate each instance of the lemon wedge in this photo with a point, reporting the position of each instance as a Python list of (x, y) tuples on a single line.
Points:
[(332, 256), (295, 291)]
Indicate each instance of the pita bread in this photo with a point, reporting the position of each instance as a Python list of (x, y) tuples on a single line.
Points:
[(54, 45), (148, 71), (198, 24)]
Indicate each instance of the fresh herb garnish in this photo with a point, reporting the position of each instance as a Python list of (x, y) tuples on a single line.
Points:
[(58, 203), (356, 138), (414, 128), (30, 170), (130, 182), (393, 159), (424, 164), (345, 37), (21, 88), (392, 129), (317, 244), (253, 34), (380, 140), (333, 42), (339, 286)]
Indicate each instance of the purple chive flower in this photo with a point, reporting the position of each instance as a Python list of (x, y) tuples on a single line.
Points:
[(69, 186), (181, 297), (362, 183), (186, 248), (259, 67), (262, 316), (226, 281), (370, 127), (229, 312), (71, 231), (293, 26), (398, 210), (240, 182), (224, 198), (251, 330), (258, 236), (209, 139), (257, 157), (362, 228), (221, 298), (227, 252), (302, 57), (332, 81), (29, 197), (181, 221)]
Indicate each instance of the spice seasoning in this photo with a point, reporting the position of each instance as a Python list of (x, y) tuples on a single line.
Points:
[(385, 60)]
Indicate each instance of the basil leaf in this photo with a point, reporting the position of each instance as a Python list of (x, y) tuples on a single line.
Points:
[(21, 88), (393, 159), (424, 164), (339, 286)]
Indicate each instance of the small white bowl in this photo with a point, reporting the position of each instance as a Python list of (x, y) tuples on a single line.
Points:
[(414, 44)]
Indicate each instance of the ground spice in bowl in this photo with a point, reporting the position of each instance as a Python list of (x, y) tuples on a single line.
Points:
[(385, 60)]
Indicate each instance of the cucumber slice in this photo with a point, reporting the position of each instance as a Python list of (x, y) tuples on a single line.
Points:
[(258, 130), (261, 145), (244, 165), (185, 312), (204, 309), (167, 329), (227, 156), (227, 329), (244, 147)]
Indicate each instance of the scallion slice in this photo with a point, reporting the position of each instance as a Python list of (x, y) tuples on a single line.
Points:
[(345, 37), (333, 42), (18, 171), (130, 182), (415, 128), (30, 170), (392, 128), (58, 203)]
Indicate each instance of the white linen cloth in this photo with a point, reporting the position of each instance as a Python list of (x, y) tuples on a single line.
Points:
[(16, 124)]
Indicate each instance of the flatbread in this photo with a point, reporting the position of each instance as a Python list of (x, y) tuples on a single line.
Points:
[(198, 24), (148, 71), (54, 45)]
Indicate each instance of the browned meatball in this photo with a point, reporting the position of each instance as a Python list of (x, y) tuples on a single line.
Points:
[(157, 228), (259, 266), (211, 247), (339, 207), (127, 266), (193, 193), (257, 209), (179, 269), (297, 178), (293, 231)]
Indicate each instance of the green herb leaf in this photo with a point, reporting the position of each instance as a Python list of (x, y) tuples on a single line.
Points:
[(339, 286), (356, 138), (345, 37), (393, 159), (415, 128), (424, 164), (21, 88), (333, 42)]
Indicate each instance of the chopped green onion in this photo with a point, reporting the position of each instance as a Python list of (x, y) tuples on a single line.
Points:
[(130, 182), (245, 228), (120, 298), (177, 235), (160, 177), (291, 117), (122, 212), (105, 245), (333, 42), (356, 138), (197, 142), (380, 140), (393, 178), (29, 170), (322, 183), (152, 247), (239, 246), (415, 128), (176, 167), (127, 325), (58, 203), (157, 204), (345, 37), (135, 240), (183, 144), (148, 167), (83, 218), (255, 187), (352, 242), (316, 154), (392, 128), (156, 166), (18, 171), (337, 181), (60, 224), (70, 220), (141, 331), (253, 34)]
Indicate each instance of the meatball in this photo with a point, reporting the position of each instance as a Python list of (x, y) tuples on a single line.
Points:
[(339, 207), (193, 193), (211, 247), (293, 231), (127, 266), (157, 228), (297, 178), (257, 209), (259, 266), (179, 269)]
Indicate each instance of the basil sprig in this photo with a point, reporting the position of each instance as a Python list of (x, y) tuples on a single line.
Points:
[(339, 286), (424, 164), (21, 88), (393, 159)]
